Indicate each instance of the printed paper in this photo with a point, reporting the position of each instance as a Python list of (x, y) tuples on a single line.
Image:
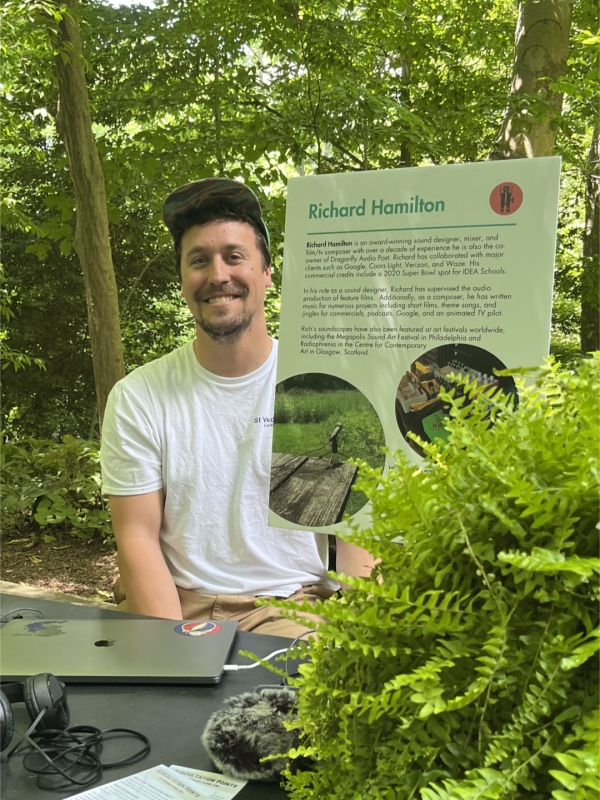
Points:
[(164, 783)]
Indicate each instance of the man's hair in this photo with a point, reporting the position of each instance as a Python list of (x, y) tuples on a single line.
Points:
[(220, 211)]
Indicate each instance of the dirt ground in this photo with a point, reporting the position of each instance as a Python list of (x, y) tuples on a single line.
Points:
[(84, 568)]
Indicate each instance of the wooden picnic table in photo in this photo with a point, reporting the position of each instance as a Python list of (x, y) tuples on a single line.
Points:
[(308, 492)]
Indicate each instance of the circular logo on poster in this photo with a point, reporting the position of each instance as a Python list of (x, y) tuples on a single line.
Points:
[(506, 198), (197, 628)]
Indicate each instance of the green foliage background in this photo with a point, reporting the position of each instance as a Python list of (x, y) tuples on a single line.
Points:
[(53, 487), (193, 88), (466, 666), (301, 406)]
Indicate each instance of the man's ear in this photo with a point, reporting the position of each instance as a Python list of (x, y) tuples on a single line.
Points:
[(268, 281)]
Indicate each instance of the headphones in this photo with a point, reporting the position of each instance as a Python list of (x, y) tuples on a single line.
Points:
[(45, 697), (41, 693)]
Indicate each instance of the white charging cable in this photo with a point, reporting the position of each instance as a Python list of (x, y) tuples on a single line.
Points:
[(236, 667)]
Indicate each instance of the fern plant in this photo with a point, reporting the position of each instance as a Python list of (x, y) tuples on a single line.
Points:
[(466, 665)]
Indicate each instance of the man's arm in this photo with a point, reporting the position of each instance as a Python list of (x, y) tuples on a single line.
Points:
[(146, 579), (352, 560)]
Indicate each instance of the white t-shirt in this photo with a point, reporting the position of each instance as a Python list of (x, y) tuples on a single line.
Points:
[(206, 441)]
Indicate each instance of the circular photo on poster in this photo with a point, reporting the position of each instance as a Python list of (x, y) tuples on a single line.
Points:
[(418, 406), (320, 423)]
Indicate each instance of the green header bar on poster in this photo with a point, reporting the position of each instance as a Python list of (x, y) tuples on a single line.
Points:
[(429, 228)]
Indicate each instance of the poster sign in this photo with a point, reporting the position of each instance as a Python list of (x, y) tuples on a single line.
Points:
[(394, 282)]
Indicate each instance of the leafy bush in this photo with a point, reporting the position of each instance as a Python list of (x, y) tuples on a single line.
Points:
[(8, 356), (362, 435), (466, 665), (299, 406), (565, 347), (57, 484)]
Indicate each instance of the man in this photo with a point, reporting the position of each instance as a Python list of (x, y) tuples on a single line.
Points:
[(183, 460)]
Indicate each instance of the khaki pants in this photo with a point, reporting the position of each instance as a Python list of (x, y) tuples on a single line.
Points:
[(263, 619)]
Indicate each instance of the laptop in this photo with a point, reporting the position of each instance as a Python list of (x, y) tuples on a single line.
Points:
[(117, 651)]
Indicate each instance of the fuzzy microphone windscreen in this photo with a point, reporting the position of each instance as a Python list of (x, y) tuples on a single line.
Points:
[(249, 727)]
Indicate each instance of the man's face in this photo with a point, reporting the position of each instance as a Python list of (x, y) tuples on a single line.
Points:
[(222, 280)]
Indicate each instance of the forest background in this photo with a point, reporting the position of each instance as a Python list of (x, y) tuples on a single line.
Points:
[(180, 90)]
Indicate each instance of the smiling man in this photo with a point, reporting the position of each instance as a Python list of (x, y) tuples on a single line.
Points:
[(185, 459)]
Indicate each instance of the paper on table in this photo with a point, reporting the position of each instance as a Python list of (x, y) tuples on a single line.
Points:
[(199, 784), (220, 787), (163, 783), (143, 784)]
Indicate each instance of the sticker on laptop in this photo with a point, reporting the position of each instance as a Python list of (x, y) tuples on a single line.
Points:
[(46, 628), (197, 628)]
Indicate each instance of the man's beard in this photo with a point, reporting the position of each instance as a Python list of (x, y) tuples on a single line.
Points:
[(226, 331)]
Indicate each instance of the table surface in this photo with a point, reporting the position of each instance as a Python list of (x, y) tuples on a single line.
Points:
[(173, 717)]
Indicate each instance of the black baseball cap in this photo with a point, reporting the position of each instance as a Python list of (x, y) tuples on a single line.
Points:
[(202, 194)]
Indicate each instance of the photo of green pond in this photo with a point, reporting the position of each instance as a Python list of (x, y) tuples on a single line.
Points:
[(327, 421)]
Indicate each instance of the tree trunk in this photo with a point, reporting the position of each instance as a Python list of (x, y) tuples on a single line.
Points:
[(590, 304), (405, 79), (405, 154), (92, 242), (541, 46)]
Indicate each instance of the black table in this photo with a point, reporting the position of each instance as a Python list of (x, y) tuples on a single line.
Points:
[(173, 717)]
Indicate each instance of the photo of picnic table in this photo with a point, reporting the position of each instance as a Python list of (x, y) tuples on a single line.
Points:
[(320, 424), (311, 492)]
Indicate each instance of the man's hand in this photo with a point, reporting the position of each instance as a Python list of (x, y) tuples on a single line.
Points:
[(146, 579)]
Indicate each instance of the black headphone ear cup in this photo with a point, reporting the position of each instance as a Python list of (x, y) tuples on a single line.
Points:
[(46, 691), (6, 721), (30, 700)]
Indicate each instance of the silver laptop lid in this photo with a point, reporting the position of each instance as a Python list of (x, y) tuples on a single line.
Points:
[(117, 651)]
